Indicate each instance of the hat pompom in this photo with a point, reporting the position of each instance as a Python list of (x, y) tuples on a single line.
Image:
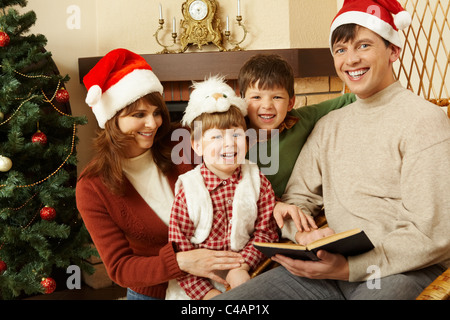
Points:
[(402, 20), (94, 95)]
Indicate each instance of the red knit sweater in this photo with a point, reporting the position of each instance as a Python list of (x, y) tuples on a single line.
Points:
[(130, 238)]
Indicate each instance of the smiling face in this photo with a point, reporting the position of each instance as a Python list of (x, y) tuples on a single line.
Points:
[(364, 62), (223, 150), (220, 139), (142, 123), (267, 108)]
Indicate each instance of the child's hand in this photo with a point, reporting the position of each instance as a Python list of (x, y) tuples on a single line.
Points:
[(238, 276), (302, 221), (211, 294)]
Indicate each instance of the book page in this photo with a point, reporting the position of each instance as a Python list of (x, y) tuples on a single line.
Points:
[(289, 245), (332, 238)]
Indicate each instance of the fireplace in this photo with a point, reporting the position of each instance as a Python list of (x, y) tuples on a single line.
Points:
[(316, 78)]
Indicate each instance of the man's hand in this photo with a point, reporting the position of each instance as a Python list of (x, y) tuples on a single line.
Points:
[(331, 266), (306, 237)]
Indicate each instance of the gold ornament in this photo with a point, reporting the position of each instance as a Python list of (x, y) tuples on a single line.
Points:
[(5, 164)]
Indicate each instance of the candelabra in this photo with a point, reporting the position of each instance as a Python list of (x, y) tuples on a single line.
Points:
[(228, 35), (174, 37)]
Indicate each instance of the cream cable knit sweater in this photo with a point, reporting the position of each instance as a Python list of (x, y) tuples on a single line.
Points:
[(382, 164)]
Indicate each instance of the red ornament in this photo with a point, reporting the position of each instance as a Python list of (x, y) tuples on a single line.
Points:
[(3, 266), (62, 96), (39, 137), (4, 39), (49, 285), (48, 213)]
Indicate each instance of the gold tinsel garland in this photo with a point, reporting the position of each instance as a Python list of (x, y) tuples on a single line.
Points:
[(50, 101)]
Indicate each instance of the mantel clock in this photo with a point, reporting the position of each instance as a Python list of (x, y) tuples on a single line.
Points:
[(200, 25)]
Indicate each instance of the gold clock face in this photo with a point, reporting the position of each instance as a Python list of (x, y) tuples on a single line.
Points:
[(198, 10)]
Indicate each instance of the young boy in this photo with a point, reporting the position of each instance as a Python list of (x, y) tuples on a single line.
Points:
[(266, 83), (225, 203)]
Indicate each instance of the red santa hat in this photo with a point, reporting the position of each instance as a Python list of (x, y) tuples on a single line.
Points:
[(384, 17), (120, 78)]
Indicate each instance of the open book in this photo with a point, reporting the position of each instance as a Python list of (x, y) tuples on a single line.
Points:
[(347, 243)]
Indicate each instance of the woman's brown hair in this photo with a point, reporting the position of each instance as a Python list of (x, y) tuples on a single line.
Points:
[(110, 146)]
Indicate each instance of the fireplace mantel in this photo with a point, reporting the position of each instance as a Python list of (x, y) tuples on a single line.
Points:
[(198, 65)]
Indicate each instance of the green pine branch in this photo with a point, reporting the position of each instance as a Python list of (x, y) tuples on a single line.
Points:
[(41, 175)]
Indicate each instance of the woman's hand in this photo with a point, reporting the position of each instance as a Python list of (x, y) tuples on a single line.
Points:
[(203, 262)]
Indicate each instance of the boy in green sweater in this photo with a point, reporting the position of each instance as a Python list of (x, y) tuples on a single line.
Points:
[(266, 83)]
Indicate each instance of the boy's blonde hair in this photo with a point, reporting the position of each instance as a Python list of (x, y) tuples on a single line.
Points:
[(220, 120)]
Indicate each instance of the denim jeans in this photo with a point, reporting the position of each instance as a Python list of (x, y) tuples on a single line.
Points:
[(133, 295), (280, 284)]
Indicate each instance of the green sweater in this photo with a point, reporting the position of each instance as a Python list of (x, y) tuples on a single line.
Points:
[(277, 164)]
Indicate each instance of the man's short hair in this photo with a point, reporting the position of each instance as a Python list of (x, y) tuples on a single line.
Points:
[(347, 32)]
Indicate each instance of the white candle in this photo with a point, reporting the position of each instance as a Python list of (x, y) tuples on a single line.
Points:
[(174, 26), (160, 12), (228, 24), (239, 7)]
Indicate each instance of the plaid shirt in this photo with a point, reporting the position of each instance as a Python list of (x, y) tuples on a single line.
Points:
[(181, 228)]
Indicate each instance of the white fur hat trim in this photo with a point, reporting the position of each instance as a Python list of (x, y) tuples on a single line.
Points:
[(132, 87), (210, 96)]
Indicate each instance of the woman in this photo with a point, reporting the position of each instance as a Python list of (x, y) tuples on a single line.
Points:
[(125, 194)]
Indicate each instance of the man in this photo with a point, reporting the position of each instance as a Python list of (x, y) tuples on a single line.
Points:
[(381, 164)]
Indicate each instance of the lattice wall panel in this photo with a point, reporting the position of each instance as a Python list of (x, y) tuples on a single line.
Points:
[(424, 65)]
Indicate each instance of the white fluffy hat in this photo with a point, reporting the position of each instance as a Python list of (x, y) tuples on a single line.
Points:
[(210, 96), (120, 78), (384, 17)]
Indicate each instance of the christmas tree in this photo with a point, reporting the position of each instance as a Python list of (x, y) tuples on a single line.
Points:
[(40, 228)]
